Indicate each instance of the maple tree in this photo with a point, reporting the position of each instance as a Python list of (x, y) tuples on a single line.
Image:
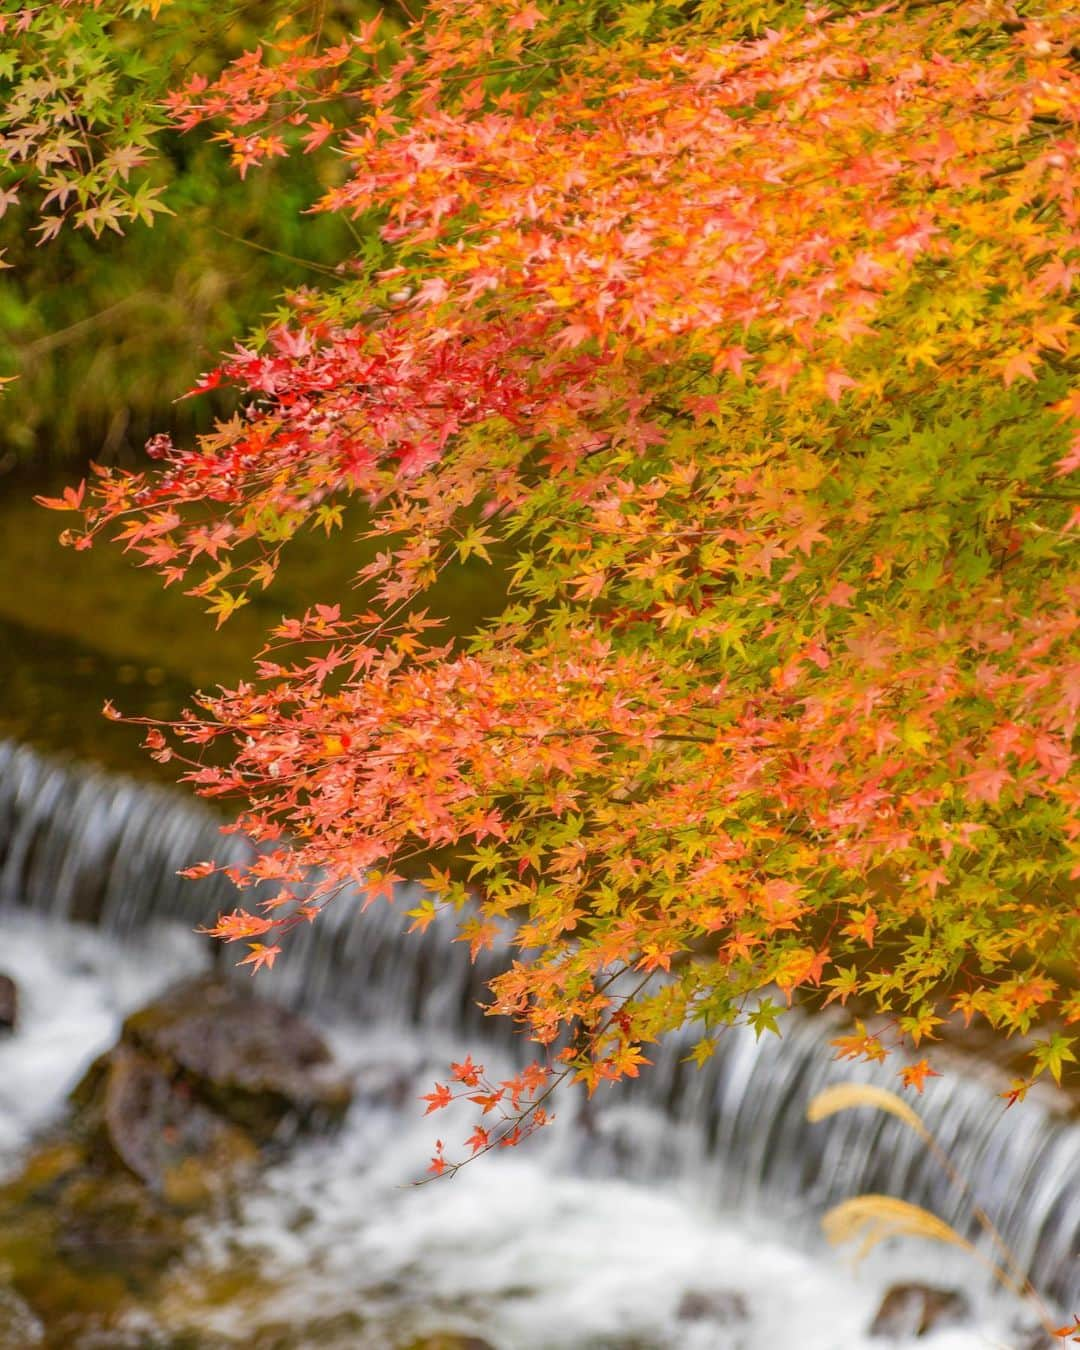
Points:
[(746, 331)]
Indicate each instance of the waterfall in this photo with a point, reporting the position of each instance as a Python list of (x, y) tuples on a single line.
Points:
[(79, 844)]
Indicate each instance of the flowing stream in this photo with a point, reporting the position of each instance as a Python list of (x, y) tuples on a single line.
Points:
[(705, 1185)]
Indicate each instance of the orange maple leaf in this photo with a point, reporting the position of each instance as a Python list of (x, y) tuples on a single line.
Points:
[(915, 1075), (259, 956)]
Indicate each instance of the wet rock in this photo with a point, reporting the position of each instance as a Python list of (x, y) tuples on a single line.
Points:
[(725, 1306), (254, 1062), (78, 1244), (916, 1309), (66, 1302), (9, 1003)]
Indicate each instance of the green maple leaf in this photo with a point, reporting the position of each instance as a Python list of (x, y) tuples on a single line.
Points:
[(763, 1018)]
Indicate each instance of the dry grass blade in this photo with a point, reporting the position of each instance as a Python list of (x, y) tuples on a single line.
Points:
[(843, 1096), (877, 1217)]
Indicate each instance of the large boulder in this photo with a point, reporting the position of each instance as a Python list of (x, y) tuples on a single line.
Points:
[(256, 1063), (909, 1310), (199, 1081), (141, 1116)]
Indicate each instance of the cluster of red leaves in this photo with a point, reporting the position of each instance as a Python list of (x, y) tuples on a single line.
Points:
[(515, 1105), (787, 690), (364, 409)]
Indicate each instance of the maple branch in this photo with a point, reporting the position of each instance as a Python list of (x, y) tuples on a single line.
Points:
[(277, 253)]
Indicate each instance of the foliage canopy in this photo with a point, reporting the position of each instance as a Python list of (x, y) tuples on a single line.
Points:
[(748, 331)]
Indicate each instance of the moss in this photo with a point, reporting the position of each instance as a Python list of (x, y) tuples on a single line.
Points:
[(63, 1297)]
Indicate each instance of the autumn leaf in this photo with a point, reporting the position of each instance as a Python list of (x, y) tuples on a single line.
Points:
[(915, 1075), (441, 1097), (259, 956)]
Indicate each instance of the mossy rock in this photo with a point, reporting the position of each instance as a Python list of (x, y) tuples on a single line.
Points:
[(200, 1080), (80, 1246), (168, 1122), (63, 1300)]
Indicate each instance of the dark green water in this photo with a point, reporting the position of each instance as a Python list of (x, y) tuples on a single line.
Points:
[(79, 628), (54, 688)]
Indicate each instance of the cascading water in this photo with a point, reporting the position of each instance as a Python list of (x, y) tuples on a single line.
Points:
[(79, 845)]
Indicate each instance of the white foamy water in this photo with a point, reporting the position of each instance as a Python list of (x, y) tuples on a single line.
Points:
[(520, 1250), (532, 1248), (75, 986)]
